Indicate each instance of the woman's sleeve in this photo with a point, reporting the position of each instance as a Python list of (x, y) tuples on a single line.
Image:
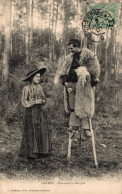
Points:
[(43, 97), (24, 100)]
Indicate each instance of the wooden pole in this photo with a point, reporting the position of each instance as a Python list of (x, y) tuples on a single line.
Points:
[(69, 146), (93, 143)]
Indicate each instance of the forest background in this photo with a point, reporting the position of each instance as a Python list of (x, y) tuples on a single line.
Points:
[(37, 31)]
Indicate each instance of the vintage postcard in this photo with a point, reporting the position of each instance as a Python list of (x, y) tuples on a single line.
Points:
[(60, 96)]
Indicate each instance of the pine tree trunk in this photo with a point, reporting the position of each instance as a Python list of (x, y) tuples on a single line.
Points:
[(52, 35), (7, 44), (64, 29), (56, 19), (28, 37), (106, 61), (84, 8), (27, 34), (50, 14), (12, 22), (31, 29)]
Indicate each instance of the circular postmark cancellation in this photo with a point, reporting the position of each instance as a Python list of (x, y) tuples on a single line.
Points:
[(95, 24)]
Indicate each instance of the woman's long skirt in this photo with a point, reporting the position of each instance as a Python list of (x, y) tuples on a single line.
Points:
[(36, 134)]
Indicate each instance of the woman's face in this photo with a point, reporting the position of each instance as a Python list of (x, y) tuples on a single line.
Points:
[(36, 78)]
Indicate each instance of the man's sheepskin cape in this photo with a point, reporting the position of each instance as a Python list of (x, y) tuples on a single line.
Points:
[(84, 101), (84, 97)]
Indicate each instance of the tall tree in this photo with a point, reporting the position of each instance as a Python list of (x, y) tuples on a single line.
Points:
[(53, 17), (64, 27), (106, 58), (84, 11), (52, 29), (7, 5), (31, 28), (29, 20)]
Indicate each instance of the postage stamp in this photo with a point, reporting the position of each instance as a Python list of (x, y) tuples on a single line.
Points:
[(98, 19)]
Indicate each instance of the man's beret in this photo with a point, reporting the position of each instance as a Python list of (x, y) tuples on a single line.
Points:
[(75, 42)]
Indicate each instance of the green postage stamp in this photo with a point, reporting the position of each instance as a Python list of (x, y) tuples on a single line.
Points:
[(106, 14), (99, 18)]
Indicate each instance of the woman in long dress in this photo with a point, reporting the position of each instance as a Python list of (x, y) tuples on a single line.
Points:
[(36, 134)]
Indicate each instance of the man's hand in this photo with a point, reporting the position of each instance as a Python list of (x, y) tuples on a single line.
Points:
[(88, 78), (66, 84), (94, 82)]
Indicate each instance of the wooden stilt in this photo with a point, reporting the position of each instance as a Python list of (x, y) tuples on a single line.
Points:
[(93, 143), (69, 146)]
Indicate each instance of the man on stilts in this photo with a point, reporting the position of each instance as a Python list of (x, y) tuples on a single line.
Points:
[(79, 100)]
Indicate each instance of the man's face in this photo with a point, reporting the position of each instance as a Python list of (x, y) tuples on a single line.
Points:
[(73, 49)]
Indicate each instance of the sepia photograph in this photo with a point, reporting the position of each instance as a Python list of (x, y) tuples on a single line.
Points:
[(60, 96)]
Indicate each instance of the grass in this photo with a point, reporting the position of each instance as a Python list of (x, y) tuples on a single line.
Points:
[(106, 125)]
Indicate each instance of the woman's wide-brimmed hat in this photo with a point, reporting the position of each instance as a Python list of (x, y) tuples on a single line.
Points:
[(29, 75)]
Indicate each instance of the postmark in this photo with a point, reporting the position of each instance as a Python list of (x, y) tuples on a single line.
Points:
[(98, 20)]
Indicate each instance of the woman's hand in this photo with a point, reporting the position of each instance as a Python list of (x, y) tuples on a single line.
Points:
[(32, 102), (39, 101)]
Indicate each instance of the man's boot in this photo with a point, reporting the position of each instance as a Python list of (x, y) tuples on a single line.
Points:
[(87, 133), (82, 135)]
